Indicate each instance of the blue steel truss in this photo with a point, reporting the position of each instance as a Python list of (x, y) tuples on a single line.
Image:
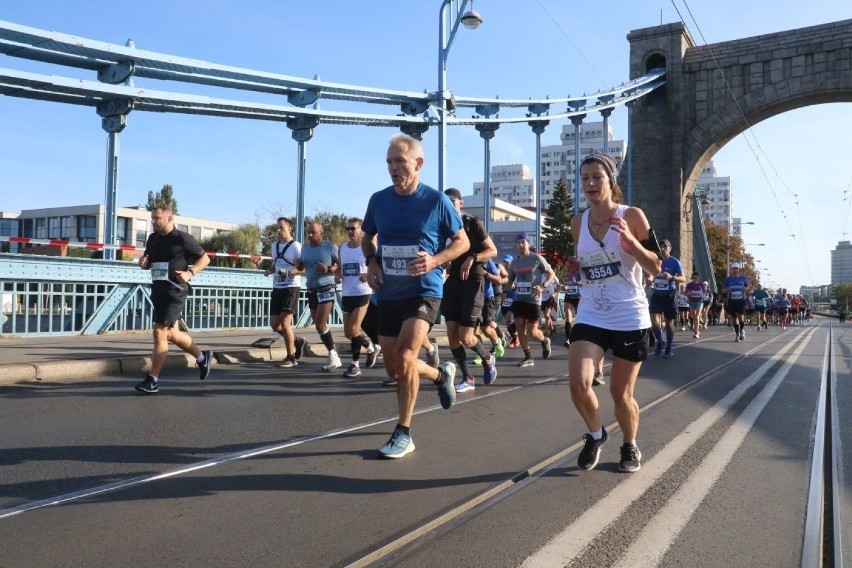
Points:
[(50, 296), (115, 64)]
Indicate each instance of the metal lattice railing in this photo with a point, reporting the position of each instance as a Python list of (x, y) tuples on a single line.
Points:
[(43, 296)]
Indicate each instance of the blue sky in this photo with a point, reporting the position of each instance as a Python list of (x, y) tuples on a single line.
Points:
[(245, 171)]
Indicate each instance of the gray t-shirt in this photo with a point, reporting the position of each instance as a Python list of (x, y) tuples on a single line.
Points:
[(326, 253), (526, 272)]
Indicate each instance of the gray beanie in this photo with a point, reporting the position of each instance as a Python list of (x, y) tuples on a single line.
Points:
[(607, 161)]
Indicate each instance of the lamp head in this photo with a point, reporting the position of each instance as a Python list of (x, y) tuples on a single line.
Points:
[(471, 19)]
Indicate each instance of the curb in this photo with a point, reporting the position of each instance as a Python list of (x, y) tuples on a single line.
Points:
[(73, 370)]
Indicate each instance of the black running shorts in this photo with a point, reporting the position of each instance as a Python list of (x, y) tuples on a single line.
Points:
[(628, 345), (168, 304), (463, 301), (284, 300), (393, 312)]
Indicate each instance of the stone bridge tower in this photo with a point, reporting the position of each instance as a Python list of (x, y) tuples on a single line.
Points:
[(714, 93)]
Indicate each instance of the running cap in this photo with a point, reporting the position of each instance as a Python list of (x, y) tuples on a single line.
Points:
[(507, 258), (665, 243), (453, 193), (522, 237), (736, 265)]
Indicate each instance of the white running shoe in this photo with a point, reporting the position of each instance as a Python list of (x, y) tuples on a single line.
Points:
[(333, 362)]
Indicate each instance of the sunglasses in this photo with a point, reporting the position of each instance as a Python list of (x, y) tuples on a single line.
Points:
[(351, 228)]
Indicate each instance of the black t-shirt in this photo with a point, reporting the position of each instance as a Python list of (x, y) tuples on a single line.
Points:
[(176, 248), (475, 231)]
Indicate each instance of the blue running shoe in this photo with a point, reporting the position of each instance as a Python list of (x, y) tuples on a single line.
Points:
[(447, 389), (489, 371), (659, 351), (399, 445)]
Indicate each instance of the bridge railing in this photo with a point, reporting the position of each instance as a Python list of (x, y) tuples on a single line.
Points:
[(43, 296)]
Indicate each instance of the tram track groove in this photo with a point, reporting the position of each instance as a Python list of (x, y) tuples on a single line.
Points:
[(821, 546), (439, 524), (448, 521)]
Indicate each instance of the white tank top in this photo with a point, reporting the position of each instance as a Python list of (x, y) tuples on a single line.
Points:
[(612, 295), (352, 265)]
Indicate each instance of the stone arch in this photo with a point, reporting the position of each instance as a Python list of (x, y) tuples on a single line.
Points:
[(672, 138), (703, 143)]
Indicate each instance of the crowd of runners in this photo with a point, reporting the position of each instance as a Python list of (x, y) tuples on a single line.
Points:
[(416, 257)]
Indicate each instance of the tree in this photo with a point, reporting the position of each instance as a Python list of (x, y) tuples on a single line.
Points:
[(245, 239), (333, 223), (725, 249), (163, 197), (557, 243), (843, 295)]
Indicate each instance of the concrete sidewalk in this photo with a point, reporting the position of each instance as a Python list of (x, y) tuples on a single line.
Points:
[(83, 357)]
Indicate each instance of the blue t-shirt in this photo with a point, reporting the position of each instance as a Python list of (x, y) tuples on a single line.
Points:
[(326, 253), (490, 268), (736, 286), (662, 286), (572, 287), (406, 224)]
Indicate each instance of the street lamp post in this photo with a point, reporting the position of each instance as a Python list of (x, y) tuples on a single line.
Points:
[(451, 15), (728, 247)]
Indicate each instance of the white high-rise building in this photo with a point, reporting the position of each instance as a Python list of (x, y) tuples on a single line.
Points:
[(511, 183), (717, 196), (557, 162), (515, 184)]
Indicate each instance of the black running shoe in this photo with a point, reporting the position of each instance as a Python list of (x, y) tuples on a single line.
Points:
[(371, 357), (204, 366), (301, 344), (591, 452), (631, 458), (149, 385)]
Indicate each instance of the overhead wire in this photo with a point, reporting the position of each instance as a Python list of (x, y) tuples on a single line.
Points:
[(750, 132), (577, 49)]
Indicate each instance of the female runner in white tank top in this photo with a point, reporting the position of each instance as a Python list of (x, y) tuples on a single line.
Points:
[(614, 244)]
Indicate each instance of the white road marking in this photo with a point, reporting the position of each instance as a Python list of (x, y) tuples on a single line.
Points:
[(659, 534), (571, 542), (133, 481)]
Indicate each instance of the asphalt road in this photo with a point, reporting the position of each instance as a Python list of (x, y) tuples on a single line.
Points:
[(262, 466)]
